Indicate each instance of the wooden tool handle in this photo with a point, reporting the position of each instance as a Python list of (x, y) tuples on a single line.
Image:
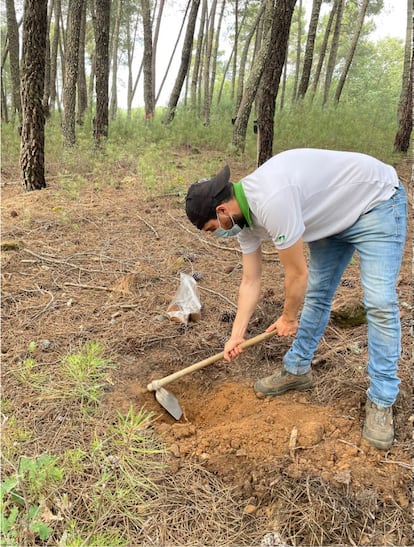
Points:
[(156, 384)]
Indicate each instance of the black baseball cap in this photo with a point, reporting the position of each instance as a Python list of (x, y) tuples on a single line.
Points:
[(204, 195)]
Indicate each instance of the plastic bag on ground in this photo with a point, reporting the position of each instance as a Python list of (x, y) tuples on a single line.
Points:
[(186, 303)]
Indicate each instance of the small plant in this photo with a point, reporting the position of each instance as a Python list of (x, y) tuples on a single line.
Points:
[(22, 501), (84, 374), (27, 370)]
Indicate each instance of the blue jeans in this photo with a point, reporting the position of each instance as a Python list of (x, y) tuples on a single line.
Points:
[(378, 236)]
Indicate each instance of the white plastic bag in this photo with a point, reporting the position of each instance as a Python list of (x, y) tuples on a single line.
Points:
[(186, 303)]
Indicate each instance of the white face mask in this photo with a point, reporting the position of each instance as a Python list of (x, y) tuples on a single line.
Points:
[(231, 232)]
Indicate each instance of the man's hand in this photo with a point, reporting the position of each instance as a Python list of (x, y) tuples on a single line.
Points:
[(232, 349), (284, 327)]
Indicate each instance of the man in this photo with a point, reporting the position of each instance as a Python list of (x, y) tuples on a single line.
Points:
[(337, 203)]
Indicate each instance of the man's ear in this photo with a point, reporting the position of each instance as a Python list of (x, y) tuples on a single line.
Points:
[(222, 208)]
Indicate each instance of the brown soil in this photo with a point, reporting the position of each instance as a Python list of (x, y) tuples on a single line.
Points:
[(104, 265)]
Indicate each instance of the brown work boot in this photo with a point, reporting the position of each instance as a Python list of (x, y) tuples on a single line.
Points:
[(378, 428), (283, 381)]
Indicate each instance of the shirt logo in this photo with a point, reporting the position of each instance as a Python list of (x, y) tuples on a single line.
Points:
[(281, 238)]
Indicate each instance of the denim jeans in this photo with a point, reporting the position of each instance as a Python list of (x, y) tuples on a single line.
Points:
[(378, 237)]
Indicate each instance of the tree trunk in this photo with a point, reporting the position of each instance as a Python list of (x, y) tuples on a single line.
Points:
[(407, 57), (235, 46), (132, 85), (113, 105), (243, 58), (250, 91), (102, 25), (298, 53), (197, 58), (207, 62), (185, 61), (271, 78), (149, 98), (405, 125), (4, 107), (71, 71), (310, 45), (32, 153), (53, 56), (46, 91), (334, 50), (350, 56), (82, 88), (13, 39), (405, 107), (173, 51), (214, 62), (322, 54), (155, 45)]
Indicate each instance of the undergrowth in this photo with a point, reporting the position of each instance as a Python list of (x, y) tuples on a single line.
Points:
[(42, 495), (157, 152)]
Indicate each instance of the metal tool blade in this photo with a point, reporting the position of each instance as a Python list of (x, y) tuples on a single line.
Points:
[(168, 401)]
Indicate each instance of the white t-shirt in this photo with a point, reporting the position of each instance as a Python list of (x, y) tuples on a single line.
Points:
[(313, 194)]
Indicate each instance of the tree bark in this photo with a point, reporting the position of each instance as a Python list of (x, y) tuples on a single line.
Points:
[(333, 51), (244, 55), (350, 56), (149, 98), (271, 78), (13, 39), (32, 154), (405, 107), (46, 91), (155, 45), (298, 53), (113, 104), (173, 52), (71, 71), (185, 61), (322, 54), (207, 62), (102, 24), (310, 46), (82, 88), (197, 58), (53, 56), (235, 47), (214, 63), (252, 84)]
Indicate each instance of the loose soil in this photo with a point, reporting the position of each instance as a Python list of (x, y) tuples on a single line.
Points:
[(103, 264)]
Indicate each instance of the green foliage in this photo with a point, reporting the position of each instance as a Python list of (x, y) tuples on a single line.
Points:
[(124, 463), (23, 503), (84, 374), (341, 128)]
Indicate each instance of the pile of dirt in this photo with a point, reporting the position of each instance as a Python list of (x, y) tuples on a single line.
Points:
[(104, 266)]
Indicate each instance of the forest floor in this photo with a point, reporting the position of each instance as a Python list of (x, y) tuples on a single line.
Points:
[(102, 263)]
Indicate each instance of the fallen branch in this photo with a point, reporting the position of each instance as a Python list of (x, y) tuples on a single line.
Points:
[(401, 464)]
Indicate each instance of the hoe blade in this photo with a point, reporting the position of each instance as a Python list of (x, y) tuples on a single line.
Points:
[(168, 401)]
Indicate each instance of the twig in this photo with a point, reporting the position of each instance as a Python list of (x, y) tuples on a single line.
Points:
[(218, 294), (148, 225), (350, 444), (292, 442), (401, 464), (52, 298), (66, 263), (92, 287)]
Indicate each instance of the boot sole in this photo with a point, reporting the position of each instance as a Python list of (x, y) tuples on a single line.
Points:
[(381, 445), (282, 390)]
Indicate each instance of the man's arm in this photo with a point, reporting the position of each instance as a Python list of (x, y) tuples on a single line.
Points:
[(249, 293), (296, 278)]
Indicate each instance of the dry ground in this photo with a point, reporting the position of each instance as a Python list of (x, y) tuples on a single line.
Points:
[(103, 264)]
